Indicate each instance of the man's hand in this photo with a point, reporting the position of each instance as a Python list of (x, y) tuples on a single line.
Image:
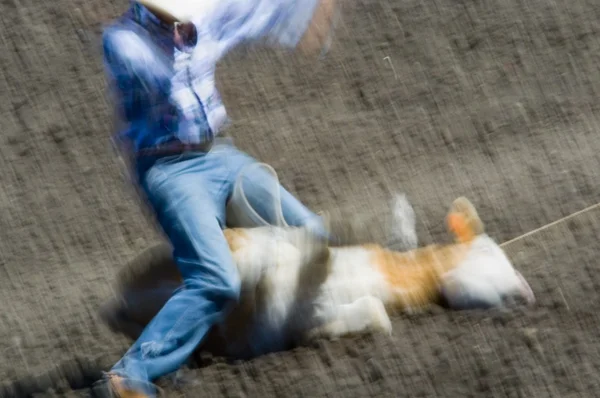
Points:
[(320, 29)]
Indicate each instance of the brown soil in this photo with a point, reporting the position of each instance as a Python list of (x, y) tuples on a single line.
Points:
[(497, 101)]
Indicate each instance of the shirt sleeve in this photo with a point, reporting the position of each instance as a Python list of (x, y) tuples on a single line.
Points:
[(136, 78), (133, 75), (227, 23)]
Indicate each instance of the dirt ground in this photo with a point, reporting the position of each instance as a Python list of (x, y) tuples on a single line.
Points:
[(497, 101)]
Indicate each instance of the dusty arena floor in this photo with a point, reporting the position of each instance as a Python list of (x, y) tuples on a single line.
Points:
[(498, 101)]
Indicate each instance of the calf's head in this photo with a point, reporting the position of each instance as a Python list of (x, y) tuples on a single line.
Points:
[(485, 277)]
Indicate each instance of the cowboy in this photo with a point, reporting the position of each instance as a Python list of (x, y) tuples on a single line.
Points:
[(160, 57)]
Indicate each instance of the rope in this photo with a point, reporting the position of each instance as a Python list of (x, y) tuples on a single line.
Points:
[(241, 207), (543, 227)]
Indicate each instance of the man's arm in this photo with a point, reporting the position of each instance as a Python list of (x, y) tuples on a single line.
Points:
[(132, 71), (289, 23), (134, 78)]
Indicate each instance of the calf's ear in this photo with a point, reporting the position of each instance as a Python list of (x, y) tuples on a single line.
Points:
[(463, 221)]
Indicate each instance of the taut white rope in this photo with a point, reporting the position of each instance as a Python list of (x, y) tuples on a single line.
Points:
[(543, 227)]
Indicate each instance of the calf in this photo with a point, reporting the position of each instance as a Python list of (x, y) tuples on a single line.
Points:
[(296, 287)]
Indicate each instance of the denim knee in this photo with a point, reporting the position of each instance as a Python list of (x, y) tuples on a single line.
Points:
[(231, 289), (224, 290)]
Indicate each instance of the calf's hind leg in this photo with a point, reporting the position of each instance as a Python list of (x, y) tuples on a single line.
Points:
[(135, 307), (144, 285), (367, 314)]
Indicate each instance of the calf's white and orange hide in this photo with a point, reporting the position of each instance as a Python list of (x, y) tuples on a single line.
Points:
[(296, 287)]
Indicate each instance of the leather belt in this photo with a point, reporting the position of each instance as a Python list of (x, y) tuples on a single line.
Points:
[(175, 148)]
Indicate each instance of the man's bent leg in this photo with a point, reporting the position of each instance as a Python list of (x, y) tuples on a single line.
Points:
[(189, 203)]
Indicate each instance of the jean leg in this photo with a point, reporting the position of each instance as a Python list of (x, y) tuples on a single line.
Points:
[(189, 199)]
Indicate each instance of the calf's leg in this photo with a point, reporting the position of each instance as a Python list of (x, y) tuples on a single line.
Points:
[(367, 314)]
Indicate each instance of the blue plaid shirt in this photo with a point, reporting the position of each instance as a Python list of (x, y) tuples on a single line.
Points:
[(165, 95)]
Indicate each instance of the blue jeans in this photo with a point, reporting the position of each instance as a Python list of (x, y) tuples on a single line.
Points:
[(189, 194)]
